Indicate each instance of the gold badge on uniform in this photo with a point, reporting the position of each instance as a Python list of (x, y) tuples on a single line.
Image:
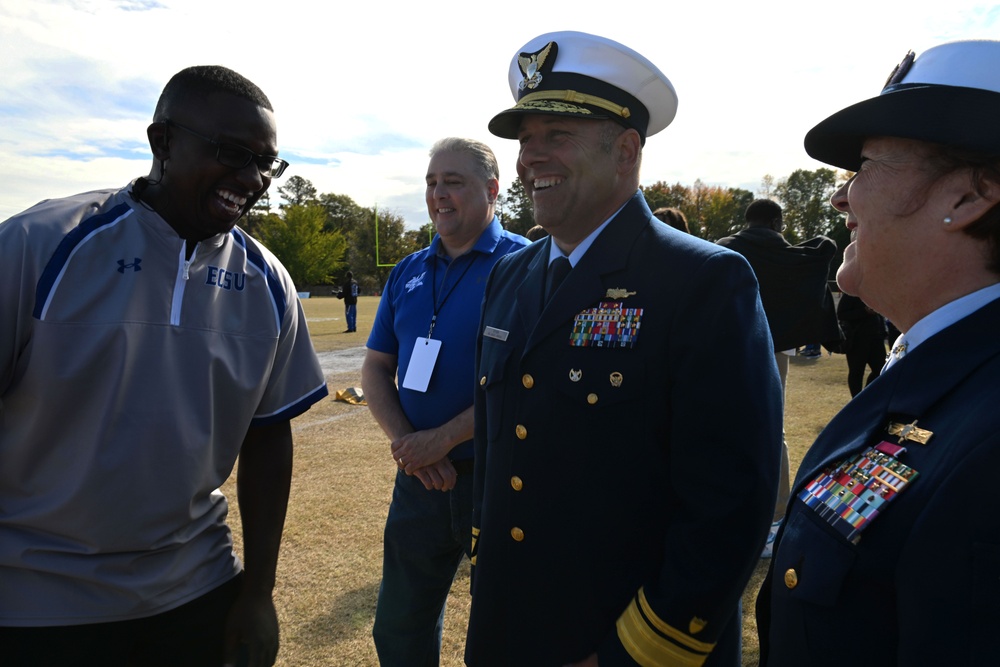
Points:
[(618, 293), (910, 432), (616, 379)]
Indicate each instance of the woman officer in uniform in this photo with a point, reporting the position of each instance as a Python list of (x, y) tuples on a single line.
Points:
[(890, 553)]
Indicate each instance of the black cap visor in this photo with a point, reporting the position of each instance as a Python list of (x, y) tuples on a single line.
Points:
[(507, 123)]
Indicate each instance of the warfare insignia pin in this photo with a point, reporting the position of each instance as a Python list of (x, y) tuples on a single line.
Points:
[(618, 293), (616, 379), (910, 432), (531, 65), (575, 375)]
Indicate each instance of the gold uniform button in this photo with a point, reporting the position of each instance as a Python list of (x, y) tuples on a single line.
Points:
[(527, 381), (482, 381), (521, 432), (516, 483), (791, 578), (517, 534), (592, 399)]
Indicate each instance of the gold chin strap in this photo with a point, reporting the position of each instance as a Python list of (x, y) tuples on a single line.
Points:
[(576, 98)]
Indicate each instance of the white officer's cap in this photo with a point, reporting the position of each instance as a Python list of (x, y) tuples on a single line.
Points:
[(949, 95), (586, 76)]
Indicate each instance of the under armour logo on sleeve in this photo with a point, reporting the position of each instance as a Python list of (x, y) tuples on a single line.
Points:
[(135, 265)]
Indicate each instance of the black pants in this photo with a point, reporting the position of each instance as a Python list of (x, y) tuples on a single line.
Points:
[(191, 635), (865, 351)]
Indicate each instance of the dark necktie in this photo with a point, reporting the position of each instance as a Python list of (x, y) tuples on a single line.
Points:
[(556, 273)]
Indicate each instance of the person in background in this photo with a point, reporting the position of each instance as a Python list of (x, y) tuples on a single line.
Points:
[(625, 473), (166, 343), (349, 293), (425, 335), (535, 233), (812, 351), (894, 524), (673, 217), (864, 341)]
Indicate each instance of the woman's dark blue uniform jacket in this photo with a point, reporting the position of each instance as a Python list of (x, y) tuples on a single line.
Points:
[(922, 585)]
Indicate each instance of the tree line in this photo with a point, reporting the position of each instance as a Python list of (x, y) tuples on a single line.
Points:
[(319, 237)]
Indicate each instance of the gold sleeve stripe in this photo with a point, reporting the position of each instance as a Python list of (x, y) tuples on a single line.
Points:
[(652, 642), (574, 97), (673, 633)]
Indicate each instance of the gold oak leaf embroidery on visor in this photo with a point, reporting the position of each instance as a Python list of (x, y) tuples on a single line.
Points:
[(552, 105)]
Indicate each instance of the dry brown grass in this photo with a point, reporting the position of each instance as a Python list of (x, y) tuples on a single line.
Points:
[(331, 555)]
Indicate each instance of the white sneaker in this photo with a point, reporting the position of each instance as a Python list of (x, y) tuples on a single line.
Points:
[(771, 534)]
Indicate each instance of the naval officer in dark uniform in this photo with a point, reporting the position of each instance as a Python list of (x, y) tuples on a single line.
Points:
[(625, 474), (890, 552)]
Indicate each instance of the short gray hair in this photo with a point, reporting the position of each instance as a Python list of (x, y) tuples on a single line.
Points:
[(481, 154)]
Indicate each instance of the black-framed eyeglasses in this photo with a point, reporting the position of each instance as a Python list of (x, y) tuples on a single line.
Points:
[(237, 157)]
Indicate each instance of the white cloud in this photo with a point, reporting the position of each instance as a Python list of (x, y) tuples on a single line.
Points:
[(361, 90)]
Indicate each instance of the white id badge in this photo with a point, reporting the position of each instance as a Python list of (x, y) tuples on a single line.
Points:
[(418, 373)]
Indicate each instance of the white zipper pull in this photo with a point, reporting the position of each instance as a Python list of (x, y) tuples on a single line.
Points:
[(187, 262)]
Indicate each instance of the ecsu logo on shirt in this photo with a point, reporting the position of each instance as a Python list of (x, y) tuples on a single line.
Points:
[(226, 280)]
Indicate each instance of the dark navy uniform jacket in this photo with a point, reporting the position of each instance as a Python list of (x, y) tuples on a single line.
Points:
[(622, 494), (922, 584)]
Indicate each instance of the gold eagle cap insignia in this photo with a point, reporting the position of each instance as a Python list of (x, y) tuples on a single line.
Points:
[(618, 293), (531, 65)]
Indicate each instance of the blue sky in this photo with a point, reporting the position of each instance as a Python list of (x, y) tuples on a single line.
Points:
[(362, 89)]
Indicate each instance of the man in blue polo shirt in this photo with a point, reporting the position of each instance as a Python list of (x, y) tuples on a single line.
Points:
[(425, 333)]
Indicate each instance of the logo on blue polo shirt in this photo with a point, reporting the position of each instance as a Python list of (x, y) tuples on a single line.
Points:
[(415, 282)]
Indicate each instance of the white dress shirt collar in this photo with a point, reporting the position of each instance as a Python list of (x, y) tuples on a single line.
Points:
[(939, 320)]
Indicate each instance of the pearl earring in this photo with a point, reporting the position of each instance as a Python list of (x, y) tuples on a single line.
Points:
[(947, 220)]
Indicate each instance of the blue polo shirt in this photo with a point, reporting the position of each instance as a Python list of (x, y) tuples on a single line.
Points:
[(421, 283)]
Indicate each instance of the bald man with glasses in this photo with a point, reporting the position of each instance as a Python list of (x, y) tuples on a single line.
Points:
[(145, 343)]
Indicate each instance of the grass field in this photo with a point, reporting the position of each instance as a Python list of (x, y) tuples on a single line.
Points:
[(331, 555)]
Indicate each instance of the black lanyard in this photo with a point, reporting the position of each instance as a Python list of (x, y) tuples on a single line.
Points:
[(439, 306)]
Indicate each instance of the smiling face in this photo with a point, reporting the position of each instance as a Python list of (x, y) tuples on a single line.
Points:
[(905, 260), (576, 172), (460, 199), (196, 194)]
